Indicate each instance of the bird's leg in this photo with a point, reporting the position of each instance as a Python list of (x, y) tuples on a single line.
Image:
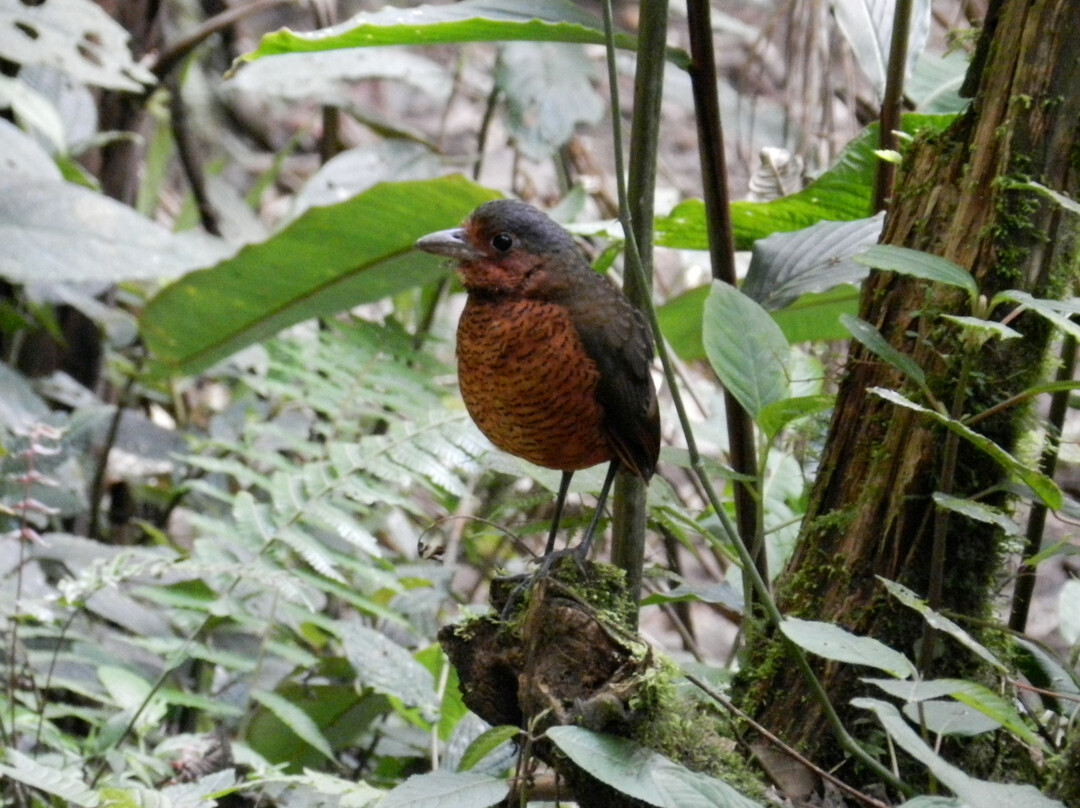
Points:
[(582, 550), (560, 501)]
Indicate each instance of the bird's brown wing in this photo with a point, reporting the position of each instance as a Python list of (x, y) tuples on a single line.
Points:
[(617, 339)]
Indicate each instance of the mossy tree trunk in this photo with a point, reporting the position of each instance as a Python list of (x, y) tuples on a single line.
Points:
[(871, 512)]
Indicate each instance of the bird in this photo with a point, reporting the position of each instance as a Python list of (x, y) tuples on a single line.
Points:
[(554, 363)]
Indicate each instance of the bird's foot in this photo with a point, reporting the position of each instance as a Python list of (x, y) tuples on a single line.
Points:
[(549, 563)]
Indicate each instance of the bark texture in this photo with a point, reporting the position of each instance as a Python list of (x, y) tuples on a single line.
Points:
[(871, 512)]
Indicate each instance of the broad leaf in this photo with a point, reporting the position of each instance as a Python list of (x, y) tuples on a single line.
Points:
[(467, 21), (295, 719), (1043, 487), (56, 232), (548, 87), (833, 642), (949, 718), (972, 695), (75, 36), (979, 511), (816, 316), (64, 784), (328, 77), (775, 416), (1057, 312), (486, 743), (941, 623), (447, 790), (842, 193), (746, 348), (1064, 201), (918, 264), (872, 339), (815, 259), (386, 667), (326, 261), (643, 774), (971, 791), (21, 154), (868, 24)]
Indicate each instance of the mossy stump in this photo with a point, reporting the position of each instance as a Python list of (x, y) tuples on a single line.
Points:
[(563, 655)]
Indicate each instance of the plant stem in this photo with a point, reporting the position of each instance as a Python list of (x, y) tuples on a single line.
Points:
[(740, 427), (636, 214), (891, 104), (1059, 406)]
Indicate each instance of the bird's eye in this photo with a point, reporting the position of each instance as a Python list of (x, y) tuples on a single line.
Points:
[(502, 242)]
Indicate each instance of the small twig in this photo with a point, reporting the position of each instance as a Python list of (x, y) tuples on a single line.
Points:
[(866, 799), (892, 103), (1059, 407), (177, 51)]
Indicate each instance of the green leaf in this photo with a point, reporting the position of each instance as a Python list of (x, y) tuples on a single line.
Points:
[(467, 21), (746, 348), (56, 232), (643, 774), (816, 259), (816, 316), (386, 667), (978, 511), (447, 790), (867, 26), (1043, 487), (971, 791), (295, 719), (941, 623), (872, 339), (970, 694), (985, 329), (486, 743), (775, 416), (548, 87), (77, 37), (832, 642), (64, 784), (842, 193), (1057, 312), (680, 321), (721, 593), (328, 260), (949, 718), (1066, 202), (918, 264)]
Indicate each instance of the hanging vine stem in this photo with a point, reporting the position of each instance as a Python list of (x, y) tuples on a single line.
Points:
[(772, 612)]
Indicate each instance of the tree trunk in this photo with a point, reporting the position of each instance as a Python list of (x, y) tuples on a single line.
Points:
[(870, 512)]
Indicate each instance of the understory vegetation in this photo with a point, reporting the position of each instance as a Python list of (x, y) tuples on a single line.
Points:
[(240, 495)]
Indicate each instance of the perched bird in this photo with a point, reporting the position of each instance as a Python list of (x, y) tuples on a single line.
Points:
[(553, 360)]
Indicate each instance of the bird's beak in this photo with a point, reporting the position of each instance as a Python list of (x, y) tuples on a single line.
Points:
[(450, 243)]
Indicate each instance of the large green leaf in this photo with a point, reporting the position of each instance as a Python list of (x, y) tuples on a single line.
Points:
[(842, 193), (467, 21), (815, 259), (75, 36), (867, 334), (643, 774), (62, 783), (57, 232), (973, 792), (327, 260), (833, 642), (447, 790), (867, 25), (817, 315), (1042, 486), (918, 264), (745, 347), (295, 719)]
